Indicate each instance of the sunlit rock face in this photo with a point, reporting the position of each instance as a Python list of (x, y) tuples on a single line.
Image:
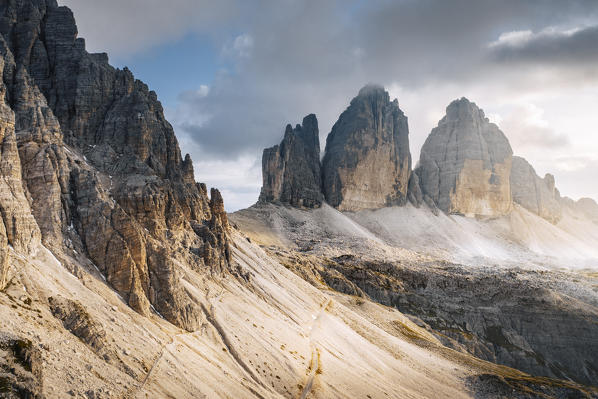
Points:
[(18, 228), (534, 193), (465, 164), (90, 165), (291, 170), (367, 163)]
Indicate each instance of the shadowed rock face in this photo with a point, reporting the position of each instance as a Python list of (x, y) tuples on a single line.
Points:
[(534, 193), (465, 164), (291, 170), (367, 162), (89, 160)]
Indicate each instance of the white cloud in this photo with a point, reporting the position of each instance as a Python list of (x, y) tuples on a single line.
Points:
[(240, 47), (527, 129), (238, 180), (571, 46), (125, 27), (514, 38), (203, 90)]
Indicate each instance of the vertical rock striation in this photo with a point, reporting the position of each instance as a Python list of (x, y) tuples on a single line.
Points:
[(367, 163), (291, 170), (534, 193), (465, 164), (101, 166), (18, 228)]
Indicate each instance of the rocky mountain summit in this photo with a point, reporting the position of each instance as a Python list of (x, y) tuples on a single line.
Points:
[(291, 170), (367, 161), (465, 163), (90, 166)]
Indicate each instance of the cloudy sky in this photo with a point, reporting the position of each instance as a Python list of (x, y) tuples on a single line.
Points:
[(231, 74)]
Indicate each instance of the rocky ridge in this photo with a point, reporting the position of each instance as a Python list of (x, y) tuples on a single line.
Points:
[(367, 163), (538, 195), (466, 165), (91, 166)]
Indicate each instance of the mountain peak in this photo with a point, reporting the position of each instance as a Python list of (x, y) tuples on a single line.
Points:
[(370, 136), (291, 170), (101, 166), (465, 163), (463, 108), (371, 88)]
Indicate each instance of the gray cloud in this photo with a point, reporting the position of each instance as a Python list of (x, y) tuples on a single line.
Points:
[(125, 27), (308, 56), (528, 130), (570, 47)]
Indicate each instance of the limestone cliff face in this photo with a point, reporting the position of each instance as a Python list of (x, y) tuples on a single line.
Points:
[(291, 170), (18, 228), (465, 164), (98, 166), (367, 162), (534, 193)]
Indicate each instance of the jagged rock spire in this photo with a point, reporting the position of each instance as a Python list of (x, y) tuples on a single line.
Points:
[(291, 170), (367, 162)]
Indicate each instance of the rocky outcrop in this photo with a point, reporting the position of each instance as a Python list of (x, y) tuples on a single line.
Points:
[(367, 162), (102, 173), (414, 191), (465, 164), (77, 320), (534, 193), (20, 368), (18, 228), (291, 170)]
